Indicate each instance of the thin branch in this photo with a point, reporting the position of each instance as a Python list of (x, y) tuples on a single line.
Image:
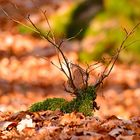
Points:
[(74, 35), (115, 58), (131, 43), (49, 39), (48, 23), (16, 21), (58, 48), (46, 18)]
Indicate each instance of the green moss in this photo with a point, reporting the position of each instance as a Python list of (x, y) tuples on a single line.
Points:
[(48, 104), (84, 103)]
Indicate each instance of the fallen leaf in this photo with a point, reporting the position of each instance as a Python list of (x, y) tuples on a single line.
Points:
[(25, 122), (71, 118), (4, 125), (115, 132)]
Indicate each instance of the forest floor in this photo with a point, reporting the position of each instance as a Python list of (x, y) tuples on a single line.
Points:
[(25, 78)]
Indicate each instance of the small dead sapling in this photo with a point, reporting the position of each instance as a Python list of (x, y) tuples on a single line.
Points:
[(77, 83)]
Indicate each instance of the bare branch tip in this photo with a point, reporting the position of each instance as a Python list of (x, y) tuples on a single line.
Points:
[(28, 16)]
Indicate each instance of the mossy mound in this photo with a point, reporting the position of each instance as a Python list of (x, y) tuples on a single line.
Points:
[(48, 104), (84, 103)]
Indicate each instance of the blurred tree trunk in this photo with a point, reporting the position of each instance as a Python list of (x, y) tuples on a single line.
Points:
[(83, 14)]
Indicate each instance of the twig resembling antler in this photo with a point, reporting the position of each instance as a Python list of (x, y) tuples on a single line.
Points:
[(84, 74)]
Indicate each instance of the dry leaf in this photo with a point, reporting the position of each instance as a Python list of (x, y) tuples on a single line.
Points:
[(4, 125), (128, 137), (116, 132), (25, 122), (71, 118), (79, 76)]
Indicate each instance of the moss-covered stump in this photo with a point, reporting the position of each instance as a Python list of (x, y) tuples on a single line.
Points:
[(84, 102)]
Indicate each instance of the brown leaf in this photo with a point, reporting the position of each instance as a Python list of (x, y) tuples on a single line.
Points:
[(133, 137), (71, 118), (6, 125), (79, 76), (25, 122)]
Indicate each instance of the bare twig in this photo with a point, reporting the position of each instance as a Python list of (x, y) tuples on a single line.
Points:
[(49, 39), (113, 60), (16, 21)]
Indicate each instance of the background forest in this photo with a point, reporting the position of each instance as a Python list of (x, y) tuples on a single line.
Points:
[(101, 24)]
